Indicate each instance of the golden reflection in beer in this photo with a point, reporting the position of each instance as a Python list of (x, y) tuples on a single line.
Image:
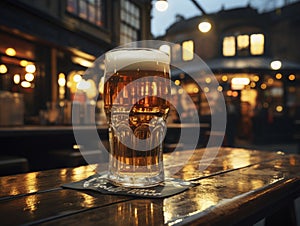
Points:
[(87, 200), (31, 182), (31, 203), (136, 216), (120, 212), (151, 208)]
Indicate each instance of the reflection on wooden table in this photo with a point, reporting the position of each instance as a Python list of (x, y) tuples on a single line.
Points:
[(237, 186)]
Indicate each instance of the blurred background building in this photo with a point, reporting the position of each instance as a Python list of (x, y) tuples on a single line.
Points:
[(46, 47), (256, 60)]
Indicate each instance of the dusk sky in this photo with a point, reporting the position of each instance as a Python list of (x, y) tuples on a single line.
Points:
[(162, 20)]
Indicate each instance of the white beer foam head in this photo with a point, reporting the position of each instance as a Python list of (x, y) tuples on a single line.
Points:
[(136, 59)]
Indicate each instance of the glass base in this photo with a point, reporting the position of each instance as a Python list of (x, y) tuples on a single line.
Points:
[(135, 181)]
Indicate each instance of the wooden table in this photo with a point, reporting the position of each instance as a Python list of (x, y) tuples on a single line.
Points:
[(238, 187)]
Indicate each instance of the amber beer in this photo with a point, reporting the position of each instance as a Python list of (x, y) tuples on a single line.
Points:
[(135, 100)]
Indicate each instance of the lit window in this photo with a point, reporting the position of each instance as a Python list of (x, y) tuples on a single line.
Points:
[(243, 45), (176, 53), (188, 50), (130, 22), (90, 10), (243, 41), (229, 46), (72, 6), (83, 13), (257, 44), (166, 49)]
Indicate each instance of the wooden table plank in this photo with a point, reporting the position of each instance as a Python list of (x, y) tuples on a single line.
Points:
[(235, 178), (52, 204), (226, 159), (211, 195), (203, 162), (28, 183)]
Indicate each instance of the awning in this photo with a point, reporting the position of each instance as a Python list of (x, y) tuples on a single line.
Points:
[(234, 64), (257, 63)]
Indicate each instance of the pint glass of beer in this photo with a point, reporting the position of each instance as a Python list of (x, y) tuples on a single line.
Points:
[(136, 91)]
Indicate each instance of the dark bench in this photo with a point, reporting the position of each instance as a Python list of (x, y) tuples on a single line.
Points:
[(13, 165), (73, 157)]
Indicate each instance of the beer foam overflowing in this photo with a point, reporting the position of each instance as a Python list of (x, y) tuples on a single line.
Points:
[(136, 59)]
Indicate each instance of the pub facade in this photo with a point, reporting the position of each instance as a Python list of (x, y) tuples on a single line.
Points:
[(47, 45)]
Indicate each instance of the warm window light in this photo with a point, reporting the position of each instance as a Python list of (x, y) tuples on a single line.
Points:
[(10, 52), (237, 86), (224, 78), (276, 64), (206, 89), (166, 49), (177, 82), (188, 50), (180, 91), (83, 85), (242, 41), (270, 81), (263, 86), (292, 77), (82, 62), (229, 46), (91, 91), (23, 63), (101, 85), (204, 27), (279, 108), (208, 80), (17, 78), (30, 68), (257, 44), (195, 90), (25, 84), (161, 5), (77, 78), (256, 78), (61, 79), (3, 69), (278, 76), (235, 93), (220, 88), (29, 77), (240, 81)]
